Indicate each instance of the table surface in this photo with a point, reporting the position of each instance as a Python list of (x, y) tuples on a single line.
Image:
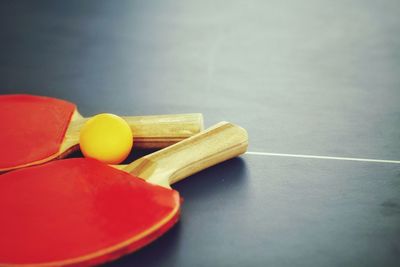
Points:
[(318, 78)]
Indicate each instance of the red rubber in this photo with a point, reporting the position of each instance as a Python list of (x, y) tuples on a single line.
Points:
[(33, 128), (79, 212)]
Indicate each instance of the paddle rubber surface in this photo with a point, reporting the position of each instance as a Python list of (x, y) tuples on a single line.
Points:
[(79, 210), (33, 128)]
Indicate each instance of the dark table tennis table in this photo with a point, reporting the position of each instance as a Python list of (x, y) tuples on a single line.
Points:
[(315, 83)]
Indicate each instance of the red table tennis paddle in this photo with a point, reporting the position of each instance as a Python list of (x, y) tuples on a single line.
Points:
[(36, 129), (84, 212)]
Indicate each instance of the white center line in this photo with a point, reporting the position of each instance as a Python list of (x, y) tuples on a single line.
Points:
[(321, 157)]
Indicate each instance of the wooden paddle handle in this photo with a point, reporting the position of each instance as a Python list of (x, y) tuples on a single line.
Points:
[(163, 130), (169, 165)]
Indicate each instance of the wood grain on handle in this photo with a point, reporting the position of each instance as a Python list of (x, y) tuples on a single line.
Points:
[(163, 130), (169, 165), (155, 131)]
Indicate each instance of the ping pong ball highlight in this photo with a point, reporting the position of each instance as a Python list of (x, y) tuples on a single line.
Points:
[(106, 137)]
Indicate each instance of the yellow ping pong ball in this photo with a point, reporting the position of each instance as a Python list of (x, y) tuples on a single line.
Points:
[(106, 137)]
